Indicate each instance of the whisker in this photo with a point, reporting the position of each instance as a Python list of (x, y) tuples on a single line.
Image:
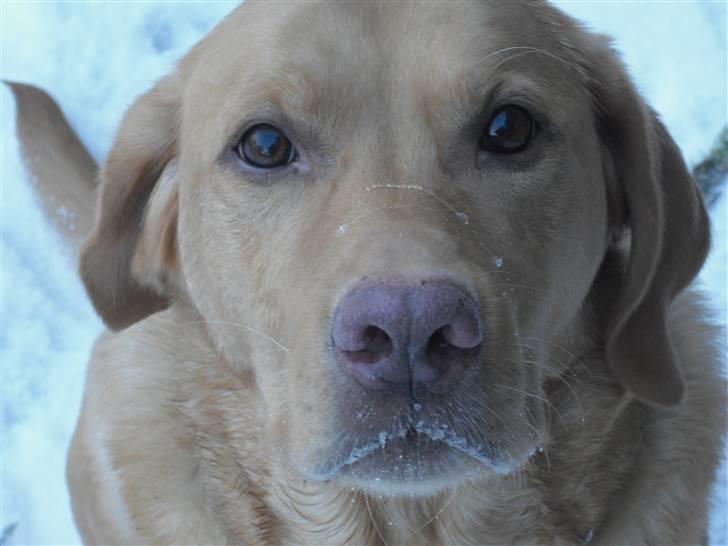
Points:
[(368, 212), (561, 375), (561, 366), (435, 516), (374, 523), (542, 399), (526, 50), (459, 215), (481, 404), (501, 284), (485, 275), (246, 328), (545, 366), (555, 345)]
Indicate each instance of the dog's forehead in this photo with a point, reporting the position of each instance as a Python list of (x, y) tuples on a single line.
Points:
[(259, 34), (295, 54)]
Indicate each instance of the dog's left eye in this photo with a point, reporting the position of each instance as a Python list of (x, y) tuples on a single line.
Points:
[(265, 147), (509, 130)]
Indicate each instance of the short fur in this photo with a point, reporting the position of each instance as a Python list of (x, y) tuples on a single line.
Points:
[(213, 413)]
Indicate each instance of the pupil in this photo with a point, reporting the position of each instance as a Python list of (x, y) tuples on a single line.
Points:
[(510, 129), (267, 142)]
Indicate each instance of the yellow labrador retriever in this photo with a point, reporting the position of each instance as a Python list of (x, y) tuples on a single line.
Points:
[(390, 273)]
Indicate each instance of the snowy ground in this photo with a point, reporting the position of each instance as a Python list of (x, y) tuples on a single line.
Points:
[(95, 58)]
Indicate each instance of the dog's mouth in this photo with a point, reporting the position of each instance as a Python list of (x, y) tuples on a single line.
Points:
[(423, 455), (406, 454)]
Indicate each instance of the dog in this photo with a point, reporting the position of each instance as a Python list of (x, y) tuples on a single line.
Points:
[(389, 273)]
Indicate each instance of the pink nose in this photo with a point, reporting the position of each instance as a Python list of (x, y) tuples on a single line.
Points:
[(400, 333)]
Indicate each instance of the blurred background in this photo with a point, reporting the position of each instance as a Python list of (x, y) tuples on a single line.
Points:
[(96, 57)]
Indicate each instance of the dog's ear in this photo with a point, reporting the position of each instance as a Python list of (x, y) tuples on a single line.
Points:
[(130, 259), (662, 209)]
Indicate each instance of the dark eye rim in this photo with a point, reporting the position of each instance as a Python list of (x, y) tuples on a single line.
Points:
[(502, 150), (239, 148)]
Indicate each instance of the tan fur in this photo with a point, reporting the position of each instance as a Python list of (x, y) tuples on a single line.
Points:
[(213, 414)]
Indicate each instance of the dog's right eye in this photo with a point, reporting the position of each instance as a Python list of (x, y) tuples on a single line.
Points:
[(265, 147)]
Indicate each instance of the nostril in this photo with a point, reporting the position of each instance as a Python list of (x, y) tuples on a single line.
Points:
[(438, 342), (464, 330), (377, 346), (449, 354), (444, 342)]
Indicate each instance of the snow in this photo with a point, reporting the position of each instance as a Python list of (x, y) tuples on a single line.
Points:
[(95, 58)]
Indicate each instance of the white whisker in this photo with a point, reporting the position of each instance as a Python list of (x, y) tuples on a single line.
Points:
[(246, 328), (555, 345), (459, 215), (435, 516), (542, 399), (525, 50), (374, 523)]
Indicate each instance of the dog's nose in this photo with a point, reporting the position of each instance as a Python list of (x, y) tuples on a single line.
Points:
[(398, 334)]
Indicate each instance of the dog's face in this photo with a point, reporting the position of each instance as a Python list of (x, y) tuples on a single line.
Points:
[(401, 206), (399, 186)]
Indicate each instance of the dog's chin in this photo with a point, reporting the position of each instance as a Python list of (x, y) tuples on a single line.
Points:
[(418, 465)]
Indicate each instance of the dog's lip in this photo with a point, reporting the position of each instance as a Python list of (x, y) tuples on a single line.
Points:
[(414, 445)]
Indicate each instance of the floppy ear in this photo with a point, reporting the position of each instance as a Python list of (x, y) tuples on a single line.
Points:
[(130, 257), (663, 210)]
